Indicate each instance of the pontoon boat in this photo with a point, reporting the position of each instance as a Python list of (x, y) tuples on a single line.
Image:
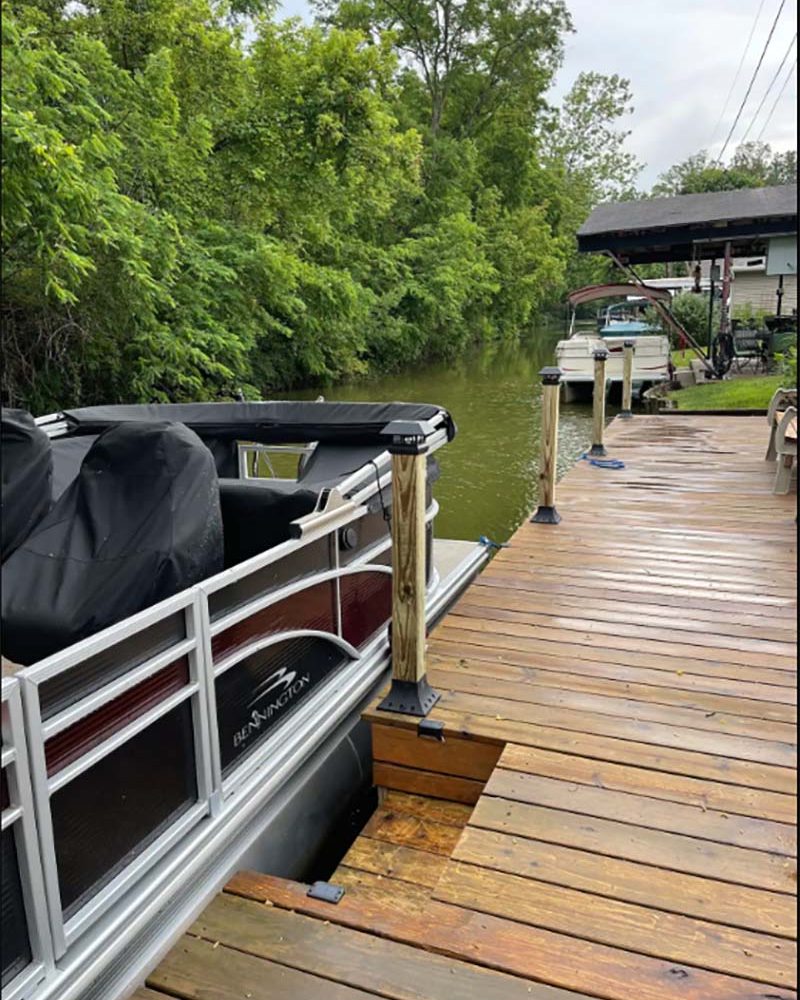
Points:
[(189, 642), (616, 324)]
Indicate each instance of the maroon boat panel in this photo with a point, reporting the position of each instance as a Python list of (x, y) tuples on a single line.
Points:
[(88, 732)]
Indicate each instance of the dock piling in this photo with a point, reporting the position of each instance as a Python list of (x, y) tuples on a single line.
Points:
[(629, 347), (546, 512), (410, 692), (599, 402)]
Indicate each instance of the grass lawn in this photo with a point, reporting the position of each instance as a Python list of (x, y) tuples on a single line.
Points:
[(683, 359), (738, 394)]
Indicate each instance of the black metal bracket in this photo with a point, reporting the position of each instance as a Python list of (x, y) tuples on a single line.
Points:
[(597, 451), (410, 698), (546, 515), (326, 891), (433, 729), (625, 414)]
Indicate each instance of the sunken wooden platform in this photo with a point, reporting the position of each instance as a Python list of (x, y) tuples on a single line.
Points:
[(612, 812)]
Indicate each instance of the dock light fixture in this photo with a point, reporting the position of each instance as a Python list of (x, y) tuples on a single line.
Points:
[(410, 692), (546, 512)]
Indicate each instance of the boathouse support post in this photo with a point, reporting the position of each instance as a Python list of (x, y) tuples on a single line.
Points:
[(546, 512), (410, 692), (599, 402), (628, 348)]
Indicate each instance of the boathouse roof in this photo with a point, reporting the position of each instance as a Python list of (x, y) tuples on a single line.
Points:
[(691, 226)]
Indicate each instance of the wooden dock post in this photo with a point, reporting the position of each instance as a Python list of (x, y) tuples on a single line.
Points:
[(546, 512), (410, 692), (629, 348), (599, 402)]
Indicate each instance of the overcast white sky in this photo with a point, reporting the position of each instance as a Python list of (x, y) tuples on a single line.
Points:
[(681, 57)]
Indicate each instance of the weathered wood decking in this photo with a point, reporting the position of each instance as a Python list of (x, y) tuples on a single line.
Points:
[(612, 813)]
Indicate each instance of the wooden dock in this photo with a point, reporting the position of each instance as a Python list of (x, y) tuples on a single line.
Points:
[(612, 812)]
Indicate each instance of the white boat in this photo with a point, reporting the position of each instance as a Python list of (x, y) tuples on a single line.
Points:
[(192, 646), (616, 324)]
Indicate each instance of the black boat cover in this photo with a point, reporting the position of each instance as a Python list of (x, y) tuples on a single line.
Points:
[(68, 455), (27, 477), (267, 423), (141, 522), (257, 515)]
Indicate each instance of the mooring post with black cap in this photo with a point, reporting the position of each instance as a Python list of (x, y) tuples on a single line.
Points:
[(599, 402), (546, 512), (410, 692), (628, 348)]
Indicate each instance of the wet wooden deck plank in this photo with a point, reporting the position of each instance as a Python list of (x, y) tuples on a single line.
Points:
[(619, 695), (637, 666), (534, 954), (339, 954)]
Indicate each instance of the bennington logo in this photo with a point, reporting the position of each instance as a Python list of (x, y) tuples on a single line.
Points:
[(289, 686)]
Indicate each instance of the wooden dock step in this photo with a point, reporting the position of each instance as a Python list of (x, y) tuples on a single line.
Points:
[(527, 961)]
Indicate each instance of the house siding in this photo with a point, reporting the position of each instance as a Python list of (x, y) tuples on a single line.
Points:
[(759, 291)]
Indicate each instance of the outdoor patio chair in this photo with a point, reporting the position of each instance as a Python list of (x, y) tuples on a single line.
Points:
[(786, 448), (782, 399)]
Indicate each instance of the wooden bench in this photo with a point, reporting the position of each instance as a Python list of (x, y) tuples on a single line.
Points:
[(780, 402)]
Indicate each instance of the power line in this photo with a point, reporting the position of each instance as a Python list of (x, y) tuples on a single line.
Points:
[(772, 82), (745, 50), (752, 81), (777, 99)]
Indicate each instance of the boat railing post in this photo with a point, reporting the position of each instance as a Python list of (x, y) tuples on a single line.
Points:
[(410, 692), (599, 402), (546, 512), (629, 347)]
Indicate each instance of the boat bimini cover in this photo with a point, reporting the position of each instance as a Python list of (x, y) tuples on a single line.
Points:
[(140, 522), (27, 477), (268, 422)]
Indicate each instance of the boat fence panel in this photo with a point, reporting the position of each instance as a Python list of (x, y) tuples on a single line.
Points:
[(267, 574), (27, 947), (120, 760), (283, 650)]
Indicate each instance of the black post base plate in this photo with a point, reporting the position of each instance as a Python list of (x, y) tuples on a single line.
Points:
[(546, 515), (410, 698), (625, 414), (597, 451)]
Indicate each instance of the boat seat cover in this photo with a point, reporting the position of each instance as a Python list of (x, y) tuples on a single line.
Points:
[(68, 455), (329, 463), (256, 514), (27, 473), (140, 523)]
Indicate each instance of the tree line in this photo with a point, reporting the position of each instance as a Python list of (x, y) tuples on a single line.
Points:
[(201, 201)]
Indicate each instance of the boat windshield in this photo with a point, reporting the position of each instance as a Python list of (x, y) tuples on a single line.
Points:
[(625, 318)]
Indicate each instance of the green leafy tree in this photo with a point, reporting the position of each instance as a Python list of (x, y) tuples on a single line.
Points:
[(198, 200), (472, 57), (752, 165), (587, 162)]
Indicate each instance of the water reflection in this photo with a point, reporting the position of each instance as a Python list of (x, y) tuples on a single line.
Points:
[(489, 472)]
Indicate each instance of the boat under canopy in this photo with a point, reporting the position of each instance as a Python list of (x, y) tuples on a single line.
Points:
[(575, 354)]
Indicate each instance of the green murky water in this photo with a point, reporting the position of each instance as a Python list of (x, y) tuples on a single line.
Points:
[(489, 472)]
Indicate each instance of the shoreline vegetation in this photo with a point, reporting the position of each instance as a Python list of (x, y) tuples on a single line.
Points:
[(202, 202)]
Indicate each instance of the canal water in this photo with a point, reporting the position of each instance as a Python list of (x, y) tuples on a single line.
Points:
[(489, 472)]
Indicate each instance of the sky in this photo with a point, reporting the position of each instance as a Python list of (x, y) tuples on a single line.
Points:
[(681, 57)]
